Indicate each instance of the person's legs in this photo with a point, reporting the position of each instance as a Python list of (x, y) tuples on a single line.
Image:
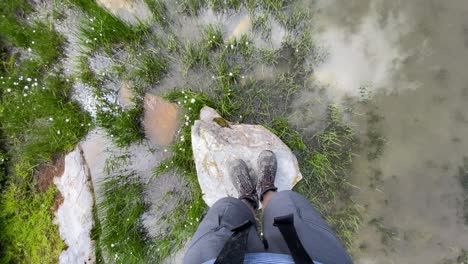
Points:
[(314, 233), (316, 236), (215, 230), (225, 215)]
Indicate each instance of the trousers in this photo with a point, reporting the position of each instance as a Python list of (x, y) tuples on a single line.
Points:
[(316, 236)]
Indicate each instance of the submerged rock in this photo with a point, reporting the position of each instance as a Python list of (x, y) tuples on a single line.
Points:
[(160, 119), (214, 146), (126, 95), (75, 215), (131, 11), (244, 26)]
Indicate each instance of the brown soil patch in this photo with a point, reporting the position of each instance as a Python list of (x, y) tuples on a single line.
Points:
[(58, 200), (46, 173)]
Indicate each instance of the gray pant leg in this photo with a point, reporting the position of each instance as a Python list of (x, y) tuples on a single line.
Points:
[(215, 230), (316, 236)]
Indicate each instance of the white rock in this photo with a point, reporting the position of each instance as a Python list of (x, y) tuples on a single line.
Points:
[(214, 146), (75, 215)]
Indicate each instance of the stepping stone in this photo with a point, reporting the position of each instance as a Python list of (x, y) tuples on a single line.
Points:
[(215, 145)]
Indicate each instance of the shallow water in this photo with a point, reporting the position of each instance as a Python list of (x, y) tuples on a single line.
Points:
[(412, 58)]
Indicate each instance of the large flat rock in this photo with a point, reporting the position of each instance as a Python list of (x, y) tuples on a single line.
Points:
[(75, 215), (214, 146)]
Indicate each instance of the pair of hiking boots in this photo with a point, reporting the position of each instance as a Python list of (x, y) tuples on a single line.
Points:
[(244, 183)]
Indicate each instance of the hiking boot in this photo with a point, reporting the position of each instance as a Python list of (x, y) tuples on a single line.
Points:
[(243, 183), (267, 165)]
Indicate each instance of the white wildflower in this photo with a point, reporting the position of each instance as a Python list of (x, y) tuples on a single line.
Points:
[(193, 100), (9, 90), (232, 46), (58, 132), (29, 49), (67, 120), (230, 74)]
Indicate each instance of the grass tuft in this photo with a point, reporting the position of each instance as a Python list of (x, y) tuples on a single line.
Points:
[(121, 236), (213, 37), (152, 68), (37, 38), (194, 54), (192, 7), (101, 29), (159, 10)]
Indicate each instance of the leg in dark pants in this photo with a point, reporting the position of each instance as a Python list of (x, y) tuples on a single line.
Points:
[(215, 230), (318, 239)]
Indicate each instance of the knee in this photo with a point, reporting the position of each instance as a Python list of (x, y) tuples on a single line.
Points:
[(225, 201)]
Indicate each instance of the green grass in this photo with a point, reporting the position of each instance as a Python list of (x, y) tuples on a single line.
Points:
[(123, 125), (172, 43), (38, 121), (159, 10), (152, 68), (101, 29), (121, 236), (212, 37), (269, 56), (191, 7), (27, 232), (36, 127), (261, 24), (85, 74), (195, 54), (35, 38), (225, 5)]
